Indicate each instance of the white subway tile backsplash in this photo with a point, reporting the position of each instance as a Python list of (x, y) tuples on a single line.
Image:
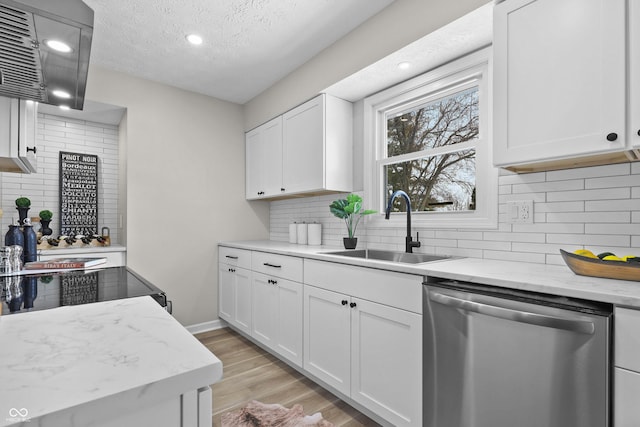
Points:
[(590, 217), (57, 134), (597, 208), (600, 194)]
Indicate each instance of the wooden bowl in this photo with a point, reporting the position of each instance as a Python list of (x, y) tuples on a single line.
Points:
[(596, 267)]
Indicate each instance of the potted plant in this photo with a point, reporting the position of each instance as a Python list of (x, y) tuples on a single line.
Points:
[(22, 205), (350, 209), (45, 220)]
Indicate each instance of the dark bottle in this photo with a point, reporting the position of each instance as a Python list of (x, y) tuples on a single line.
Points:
[(14, 236), (30, 242)]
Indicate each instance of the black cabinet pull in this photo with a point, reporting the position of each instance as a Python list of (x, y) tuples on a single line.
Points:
[(231, 257), (612, 137), (353, 304), (281, 188), (31, 149), (273, 282), (638, 132), (232, 270), (345, 302), (272, 265)]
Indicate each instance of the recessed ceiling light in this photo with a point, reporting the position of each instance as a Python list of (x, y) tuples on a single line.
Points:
[(61, 94), (194, 39), (64, 107), (59, 46), (404, 65)]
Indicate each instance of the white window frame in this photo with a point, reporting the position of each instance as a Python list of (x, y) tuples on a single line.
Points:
[(434, 84)]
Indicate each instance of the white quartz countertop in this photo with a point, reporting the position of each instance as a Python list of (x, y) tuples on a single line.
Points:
[(550, 279), (62, 365)]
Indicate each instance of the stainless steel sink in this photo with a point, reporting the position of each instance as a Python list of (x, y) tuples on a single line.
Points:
[(391, 256)]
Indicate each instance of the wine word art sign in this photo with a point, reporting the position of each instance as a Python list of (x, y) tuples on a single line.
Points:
[(78, 194)]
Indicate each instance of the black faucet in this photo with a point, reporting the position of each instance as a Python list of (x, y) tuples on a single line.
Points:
[(409, 243)]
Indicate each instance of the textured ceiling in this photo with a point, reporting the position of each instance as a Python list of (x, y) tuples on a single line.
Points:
[(248, 44)]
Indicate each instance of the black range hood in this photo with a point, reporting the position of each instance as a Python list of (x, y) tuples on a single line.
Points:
[(29, 68)]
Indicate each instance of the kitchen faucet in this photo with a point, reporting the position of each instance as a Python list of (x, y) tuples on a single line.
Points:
[(409, 243)]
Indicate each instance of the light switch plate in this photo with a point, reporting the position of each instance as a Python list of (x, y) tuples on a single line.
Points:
[(520, 212)]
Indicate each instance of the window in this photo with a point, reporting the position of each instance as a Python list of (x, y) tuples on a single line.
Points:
[(430, 138)]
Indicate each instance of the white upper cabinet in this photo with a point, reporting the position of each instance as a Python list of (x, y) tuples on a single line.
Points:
[(560, 83), (634, 73), (18, 127), (264, 160), (315, 153)]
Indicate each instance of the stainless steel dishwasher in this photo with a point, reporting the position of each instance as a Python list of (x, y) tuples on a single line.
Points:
[(495, 357)]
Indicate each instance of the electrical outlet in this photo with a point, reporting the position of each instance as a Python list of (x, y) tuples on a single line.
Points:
[(520, 212)]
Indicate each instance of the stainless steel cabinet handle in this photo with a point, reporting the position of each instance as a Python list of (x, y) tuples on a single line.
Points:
[(574, 325)]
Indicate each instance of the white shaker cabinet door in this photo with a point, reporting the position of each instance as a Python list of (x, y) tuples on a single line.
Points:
[(264, 160), (303, 147), (226, 292), (242, 319), (265, 309), (386, 361), (289, 321), (327, 337), (559, 79)]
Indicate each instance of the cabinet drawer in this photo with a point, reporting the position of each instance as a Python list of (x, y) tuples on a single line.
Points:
[(398, 290), (238, 257), (287, 267), (627, 339), (627, 390)]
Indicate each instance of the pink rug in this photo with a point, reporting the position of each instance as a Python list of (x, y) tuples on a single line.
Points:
[(256, 414)]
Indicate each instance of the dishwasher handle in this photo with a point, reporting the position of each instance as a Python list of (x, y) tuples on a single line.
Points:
[(574, 325)]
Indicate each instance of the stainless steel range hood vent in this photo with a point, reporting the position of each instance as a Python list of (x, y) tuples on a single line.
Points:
[(29, 69)]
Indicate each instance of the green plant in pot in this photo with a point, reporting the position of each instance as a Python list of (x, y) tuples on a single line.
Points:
[(45, 220), (22, 205), (350, 209)]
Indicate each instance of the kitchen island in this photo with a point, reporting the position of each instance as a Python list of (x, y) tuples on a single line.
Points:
[(125, 362)]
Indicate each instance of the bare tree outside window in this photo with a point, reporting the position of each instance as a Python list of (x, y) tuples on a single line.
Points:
[(442, 174)]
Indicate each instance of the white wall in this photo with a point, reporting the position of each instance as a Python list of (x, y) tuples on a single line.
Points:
[(597, 208), (396, 26), (57, 134), (184, 186)]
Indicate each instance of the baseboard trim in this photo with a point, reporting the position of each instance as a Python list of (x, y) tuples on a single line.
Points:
[(206, 326)]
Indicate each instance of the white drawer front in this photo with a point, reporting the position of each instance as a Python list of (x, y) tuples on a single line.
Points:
[(287, 267), (627, 338), (238, 257), (398, 290)]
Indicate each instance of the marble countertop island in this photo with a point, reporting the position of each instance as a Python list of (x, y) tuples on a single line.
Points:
[(73, 365)]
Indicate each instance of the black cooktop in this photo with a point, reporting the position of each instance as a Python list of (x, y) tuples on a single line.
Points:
[(19, 294)]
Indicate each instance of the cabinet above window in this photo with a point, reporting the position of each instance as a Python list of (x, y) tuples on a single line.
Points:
[(306, 151)]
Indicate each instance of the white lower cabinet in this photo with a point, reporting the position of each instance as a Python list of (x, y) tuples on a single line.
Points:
[(356, 330), (626, 375), (235, 296), (366, 350), (327, 337), (277, 315)]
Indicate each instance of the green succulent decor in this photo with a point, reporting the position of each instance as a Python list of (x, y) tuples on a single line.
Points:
[(46, 215), (350, 209), (23, 202)]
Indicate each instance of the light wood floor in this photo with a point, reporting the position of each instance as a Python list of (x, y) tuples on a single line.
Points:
[(250, 373)]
